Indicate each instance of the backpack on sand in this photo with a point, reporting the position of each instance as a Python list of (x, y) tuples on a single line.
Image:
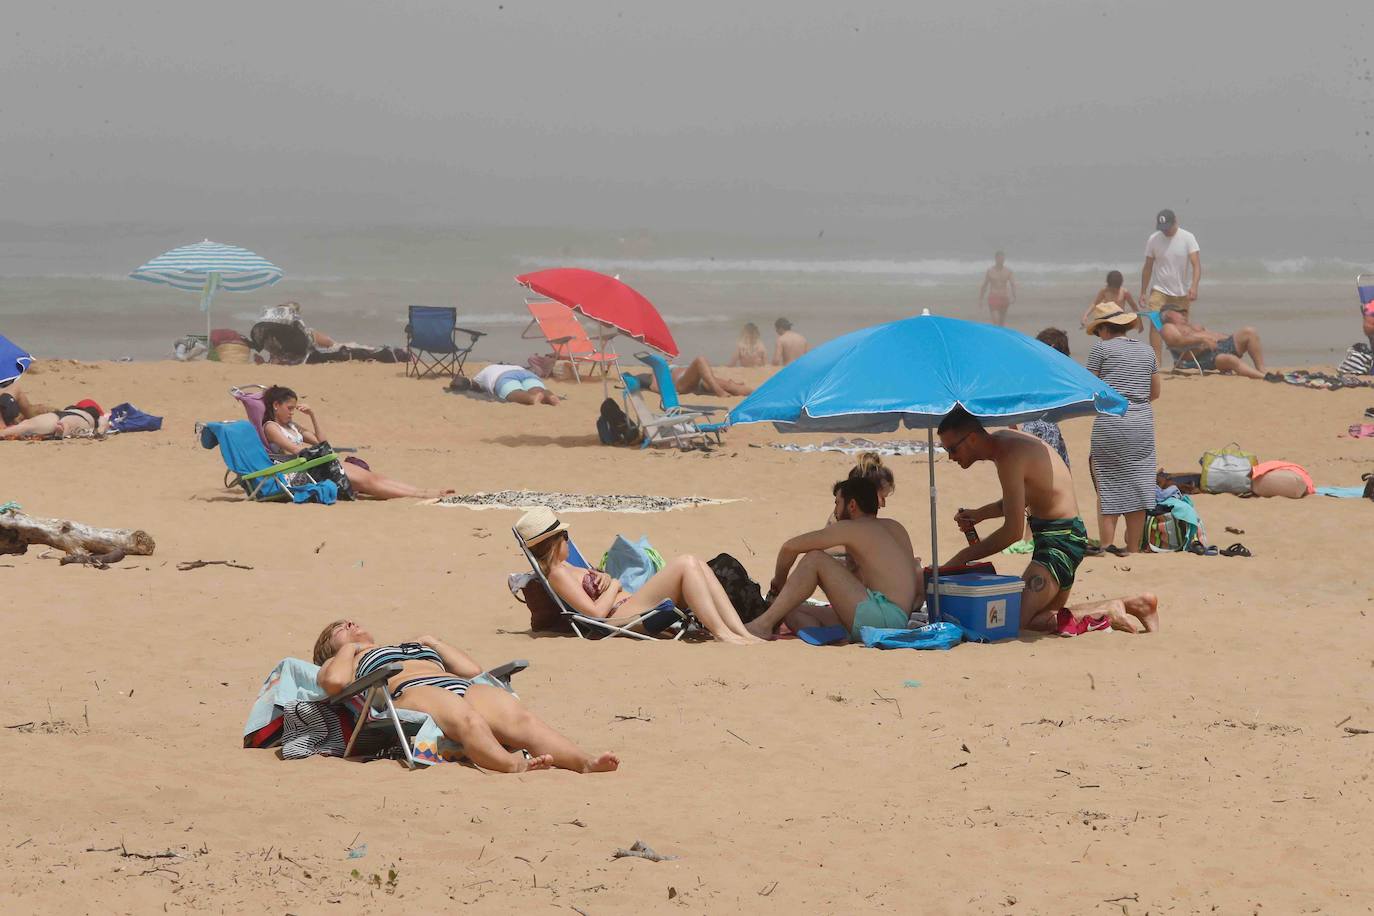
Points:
[(744, 593), (613, 427), (1227, 470)]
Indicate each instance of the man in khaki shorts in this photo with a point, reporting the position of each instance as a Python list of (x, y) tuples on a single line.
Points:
[(1171, 254)]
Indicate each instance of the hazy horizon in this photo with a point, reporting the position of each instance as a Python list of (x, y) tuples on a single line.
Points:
[(1045, 127)]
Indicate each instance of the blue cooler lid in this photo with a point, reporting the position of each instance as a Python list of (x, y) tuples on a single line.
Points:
[(978, 585)]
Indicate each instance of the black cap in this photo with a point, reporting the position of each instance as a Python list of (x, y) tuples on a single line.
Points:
[(1165, 220)]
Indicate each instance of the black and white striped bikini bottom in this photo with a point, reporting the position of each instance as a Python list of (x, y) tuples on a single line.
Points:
[(455, 685)]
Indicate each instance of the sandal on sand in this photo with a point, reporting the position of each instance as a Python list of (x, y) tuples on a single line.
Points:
[(1115, 550), (1202, 550), (1065, 625), (1237, 550)]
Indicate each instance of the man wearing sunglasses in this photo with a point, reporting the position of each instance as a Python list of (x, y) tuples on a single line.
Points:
[(1035, 480)]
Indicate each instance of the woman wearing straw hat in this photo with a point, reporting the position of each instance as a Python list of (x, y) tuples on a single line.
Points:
[(1123, 448), (686, 581)]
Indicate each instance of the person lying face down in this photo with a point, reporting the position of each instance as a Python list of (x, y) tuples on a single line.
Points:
[(685, 580), (83, 417), (1222, 352), (879, 585), (1035, 480), (496, 731), (513, 384)]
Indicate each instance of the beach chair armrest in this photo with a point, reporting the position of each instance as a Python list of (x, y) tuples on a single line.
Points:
[(560, 340), (508, 670), (704, 409), (656, 422), (287, 467), (471, 333), (380, 676)]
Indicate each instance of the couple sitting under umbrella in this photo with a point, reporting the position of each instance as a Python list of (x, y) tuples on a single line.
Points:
[(882, 584)]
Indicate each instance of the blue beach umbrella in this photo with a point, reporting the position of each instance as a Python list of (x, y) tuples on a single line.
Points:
[(13, 361), (916, 370), (207, 267)]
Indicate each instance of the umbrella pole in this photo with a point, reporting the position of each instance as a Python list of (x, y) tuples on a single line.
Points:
[(934, 613)]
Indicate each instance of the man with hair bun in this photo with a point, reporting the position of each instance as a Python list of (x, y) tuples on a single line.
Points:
[(882, 589)]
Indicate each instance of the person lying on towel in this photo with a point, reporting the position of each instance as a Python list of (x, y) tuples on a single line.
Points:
[(435, 680), (508, 383), (1035, 480), (881, 591), (82, 418)]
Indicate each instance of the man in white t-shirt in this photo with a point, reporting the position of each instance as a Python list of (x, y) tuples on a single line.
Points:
[(514, 384), (1171, 254)]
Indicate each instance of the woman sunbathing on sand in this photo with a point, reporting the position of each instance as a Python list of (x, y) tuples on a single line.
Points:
[(83, 417), (686, 581), (285, 439), (434, 679)]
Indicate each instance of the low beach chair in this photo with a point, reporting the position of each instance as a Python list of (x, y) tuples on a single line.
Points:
[(1185, 359), (679, 428), (557, 324), (367, 724), (383, 730), (432, 342), (249, 467), (668, 400), (647, 625)]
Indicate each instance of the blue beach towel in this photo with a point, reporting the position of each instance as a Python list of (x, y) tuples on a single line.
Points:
[(1341, 492), (126, 418), (244, 453), (943, 635)]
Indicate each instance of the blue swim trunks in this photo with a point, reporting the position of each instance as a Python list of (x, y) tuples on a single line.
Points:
[(516, 380), (877, 610)]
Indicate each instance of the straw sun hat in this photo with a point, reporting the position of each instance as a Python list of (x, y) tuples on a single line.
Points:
[(538, 524), (1111, 313)]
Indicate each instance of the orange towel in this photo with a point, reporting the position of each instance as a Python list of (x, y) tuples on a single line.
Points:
[(1265, 467)]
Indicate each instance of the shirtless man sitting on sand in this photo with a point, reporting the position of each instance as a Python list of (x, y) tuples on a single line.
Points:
[(1034, 478), (1214, 351), (791, 346), (881, 591)]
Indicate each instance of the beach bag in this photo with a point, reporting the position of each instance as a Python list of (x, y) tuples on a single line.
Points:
[(1227, 470), (633, 563), (126, 418), (545, 614), (746, 596), (613, 427), (331, 471), (1359, 360), (1171, 526), (1368, 485)]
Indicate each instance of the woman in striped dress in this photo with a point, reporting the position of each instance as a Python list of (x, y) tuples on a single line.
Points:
[(1123, 448)]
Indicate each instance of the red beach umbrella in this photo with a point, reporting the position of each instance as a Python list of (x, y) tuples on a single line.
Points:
[(605, 300)]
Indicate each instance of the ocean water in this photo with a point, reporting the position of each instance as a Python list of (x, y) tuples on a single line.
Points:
[(64, 291)]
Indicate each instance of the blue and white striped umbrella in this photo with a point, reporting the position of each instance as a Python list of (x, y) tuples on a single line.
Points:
[(207, 267)]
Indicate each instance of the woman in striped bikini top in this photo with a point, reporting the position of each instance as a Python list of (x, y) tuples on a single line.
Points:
[(495, 730)]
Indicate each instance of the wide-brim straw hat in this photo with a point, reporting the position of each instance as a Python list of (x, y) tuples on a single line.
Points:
[(538, 524), (1111, 313)]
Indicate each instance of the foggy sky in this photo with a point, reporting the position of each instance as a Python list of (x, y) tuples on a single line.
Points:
[(939, 123)]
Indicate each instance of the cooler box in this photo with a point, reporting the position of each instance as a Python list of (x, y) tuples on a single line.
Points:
[(988, 606)]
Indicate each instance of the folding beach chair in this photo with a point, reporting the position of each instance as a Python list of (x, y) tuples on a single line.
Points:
[(249, 466), (432, 342), (361, 715), (667, 397), (679, 428), (1185, 359), (558, 325), (383, 730), (650, 623)]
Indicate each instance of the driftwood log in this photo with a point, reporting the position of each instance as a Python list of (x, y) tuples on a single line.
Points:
[(18, 531)]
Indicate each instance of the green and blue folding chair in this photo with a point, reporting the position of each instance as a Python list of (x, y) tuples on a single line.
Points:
[(250, 467)]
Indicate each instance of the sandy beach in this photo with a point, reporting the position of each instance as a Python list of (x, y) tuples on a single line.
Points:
[(1205, 768)]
